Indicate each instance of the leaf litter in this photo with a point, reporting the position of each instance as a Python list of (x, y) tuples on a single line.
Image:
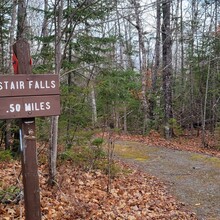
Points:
[(83, 195)]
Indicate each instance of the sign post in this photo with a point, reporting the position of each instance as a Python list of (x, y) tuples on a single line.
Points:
[(26, 96), (28, 144), (30, 170)]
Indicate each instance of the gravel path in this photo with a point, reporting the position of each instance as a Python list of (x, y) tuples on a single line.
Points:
[(192, 178)]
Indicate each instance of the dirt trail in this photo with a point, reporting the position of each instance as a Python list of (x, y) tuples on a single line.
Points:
[(192, 178)]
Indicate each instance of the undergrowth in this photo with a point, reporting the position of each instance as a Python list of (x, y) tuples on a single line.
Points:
[(5, 155)]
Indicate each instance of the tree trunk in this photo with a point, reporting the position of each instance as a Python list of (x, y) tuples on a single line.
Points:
[(2, 50), (152, 101), (191, 75), (68, 126), (21, 34), (8, 134), (11, 42), (22, 21), (125, 120), (45, 21), (53, 150), (121, 43), (167, 69), (45, 33), (142, 60), (94, 108), (12, 31), (157, 47), (54, 119), (128, 45), (69, 84), (117, 117)]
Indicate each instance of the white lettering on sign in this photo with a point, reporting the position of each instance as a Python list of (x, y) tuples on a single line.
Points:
[(12, 85), (34, 106), (14, 108), (29, 107), (20, 85), (41, 84)]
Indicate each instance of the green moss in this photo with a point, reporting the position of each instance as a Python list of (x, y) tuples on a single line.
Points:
[(207, 159), (141, 159), (215, 161), (131, 153), (198, 157)]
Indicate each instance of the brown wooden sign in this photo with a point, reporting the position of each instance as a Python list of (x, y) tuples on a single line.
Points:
[(28, 85), (26, 96), (29, 106)]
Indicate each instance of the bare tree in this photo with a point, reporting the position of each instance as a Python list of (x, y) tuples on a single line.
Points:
[(22, 19), (54, 119), (11, 42), (167, 68), (156, 66), (142, 59), (93, 104)]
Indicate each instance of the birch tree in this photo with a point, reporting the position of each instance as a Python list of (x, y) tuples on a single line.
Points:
[(54, 119)]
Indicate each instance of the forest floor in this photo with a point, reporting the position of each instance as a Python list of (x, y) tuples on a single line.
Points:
[(134, 193), (190, 172), (191, 177)]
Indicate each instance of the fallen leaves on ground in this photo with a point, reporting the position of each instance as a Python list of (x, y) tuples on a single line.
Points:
[(187, 142), (83, 195)]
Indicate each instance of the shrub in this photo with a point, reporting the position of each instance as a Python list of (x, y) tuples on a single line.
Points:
[(5, 155), (10, 195), (97, 142), (85, 157)]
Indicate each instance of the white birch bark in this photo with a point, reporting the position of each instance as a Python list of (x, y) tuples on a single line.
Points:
[(94, 108), (54, 119)]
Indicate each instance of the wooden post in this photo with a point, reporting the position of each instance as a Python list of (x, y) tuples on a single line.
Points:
[(28, 143), (30, 170)]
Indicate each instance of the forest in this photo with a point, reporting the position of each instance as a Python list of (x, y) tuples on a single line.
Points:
[(130, 67)]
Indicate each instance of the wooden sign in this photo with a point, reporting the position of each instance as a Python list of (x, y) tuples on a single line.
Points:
[(29, 106), (27, 96), (28, 85)]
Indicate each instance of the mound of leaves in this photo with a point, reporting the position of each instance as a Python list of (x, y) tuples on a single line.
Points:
[(81, 194)]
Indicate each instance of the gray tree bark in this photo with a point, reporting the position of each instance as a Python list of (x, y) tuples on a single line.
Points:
[(156, 67), (22, 20), (142, 60), (54, 119), (11, 72), (94, 108), (167, 68)]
